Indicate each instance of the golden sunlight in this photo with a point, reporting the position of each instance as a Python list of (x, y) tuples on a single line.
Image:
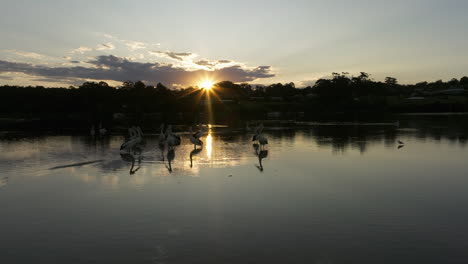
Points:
[(206, 84)]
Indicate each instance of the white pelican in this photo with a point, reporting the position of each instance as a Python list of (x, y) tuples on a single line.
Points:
[(162, 136), (247, 128), (132, 142), (171, 138), (138, 129), (195, 138), (262, 140), (102, 131)]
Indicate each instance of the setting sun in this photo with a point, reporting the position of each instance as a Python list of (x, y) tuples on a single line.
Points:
[(206, 84)]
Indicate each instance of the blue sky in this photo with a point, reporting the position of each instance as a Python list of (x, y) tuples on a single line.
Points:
[(54, 43)]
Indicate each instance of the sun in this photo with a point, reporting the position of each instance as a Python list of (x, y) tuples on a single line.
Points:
[(206, 84)]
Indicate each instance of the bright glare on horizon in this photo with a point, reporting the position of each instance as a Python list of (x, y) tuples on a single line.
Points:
[(206, 84)]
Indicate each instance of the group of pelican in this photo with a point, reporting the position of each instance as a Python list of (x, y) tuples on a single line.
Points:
[(101, 131), (168, 140)]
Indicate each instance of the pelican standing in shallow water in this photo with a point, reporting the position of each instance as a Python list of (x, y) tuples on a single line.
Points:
[(162, 136), (102, 130), (172, 139), (135, 139), (262, 140), (195, 138)]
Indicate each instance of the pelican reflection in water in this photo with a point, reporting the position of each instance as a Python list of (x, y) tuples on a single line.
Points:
[(170, 158), (130, 157), (194, 153), (261, 155)]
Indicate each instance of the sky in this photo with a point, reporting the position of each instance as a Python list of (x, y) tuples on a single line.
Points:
[(181, 43)]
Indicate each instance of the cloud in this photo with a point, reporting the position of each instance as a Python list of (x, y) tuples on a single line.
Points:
[(180, 56), (205, 63), (109, 67), (81, 50), (74, 61), (135, 45), (107, 46), (8, 78), (224, 61), (27, 54)]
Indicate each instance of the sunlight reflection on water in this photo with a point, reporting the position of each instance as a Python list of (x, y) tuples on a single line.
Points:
[(332, 193)]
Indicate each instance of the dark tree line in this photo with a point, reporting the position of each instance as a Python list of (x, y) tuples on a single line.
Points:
[(341, 92)]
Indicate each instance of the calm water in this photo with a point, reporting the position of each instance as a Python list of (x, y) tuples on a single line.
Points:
[(335, 193)]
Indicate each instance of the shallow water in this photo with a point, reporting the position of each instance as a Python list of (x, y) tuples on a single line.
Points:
[(319, 194)]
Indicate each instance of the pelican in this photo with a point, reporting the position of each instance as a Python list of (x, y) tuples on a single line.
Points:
[(195, 138), (262, 140), (171, 138), (132, 142), (259, 129), (200, 133), (162, 136), (102, 131), (138, 129)]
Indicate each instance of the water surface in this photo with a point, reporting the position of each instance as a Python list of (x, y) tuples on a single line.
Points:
[(325, 193)]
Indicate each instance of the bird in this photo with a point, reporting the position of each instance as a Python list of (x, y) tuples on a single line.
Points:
[(102, 131), (139, 131), (401, 142), (247, 128), (195, 138), (201, 131), (172, 139), (134, 139), (262, 140), (162, 136)]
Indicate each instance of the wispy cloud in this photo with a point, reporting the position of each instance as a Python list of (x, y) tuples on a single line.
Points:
[(135, 45), (81, 50), (180, 56), (131, 44), (107, 46), (26, 54), (8, 78)]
